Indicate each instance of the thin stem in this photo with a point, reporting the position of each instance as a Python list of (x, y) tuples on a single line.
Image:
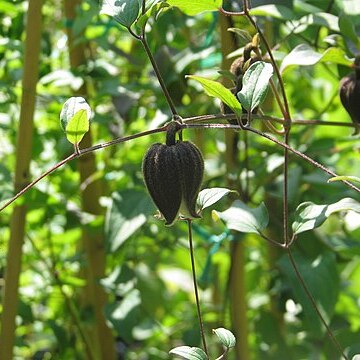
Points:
[(186, 125), (271, 241), (285, 188), (313, 302), (75, 155), (195, 286), (29, 186), (158, 74)]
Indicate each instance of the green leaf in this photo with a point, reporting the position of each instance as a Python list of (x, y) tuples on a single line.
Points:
[(208, 197), (191, 7), (255, 85), (275, 11), (75, 119), (350, 7), (322, 279), (243, 34), (347, 28), (127, 213), (216, 89), (152, 12), (225, 336), (242, 218), (344, 178), (304, 55), (125, 12), (309, 216), (189, 353)]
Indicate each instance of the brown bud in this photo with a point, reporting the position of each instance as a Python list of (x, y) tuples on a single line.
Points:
[(173, 174), (350, 96)]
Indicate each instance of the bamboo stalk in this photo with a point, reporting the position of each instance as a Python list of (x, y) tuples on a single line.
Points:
[(238, 307), (22, 178), (93, 243)]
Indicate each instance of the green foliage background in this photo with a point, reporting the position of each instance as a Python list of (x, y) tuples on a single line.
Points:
[(151, 306)]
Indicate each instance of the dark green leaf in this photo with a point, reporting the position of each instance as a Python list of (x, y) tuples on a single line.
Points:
[(321, 277), (128, 212), (255, 85)]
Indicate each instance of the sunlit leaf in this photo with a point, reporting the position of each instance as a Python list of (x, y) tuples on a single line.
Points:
[(216, 89), (309, 216), (208, 197), (242, 218), (275, 11), (125, 12), (189, 353), (75, 119), (191, 7), (225, 336), (305, 55)]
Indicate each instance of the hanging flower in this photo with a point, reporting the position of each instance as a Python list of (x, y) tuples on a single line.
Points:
[(173, 174)]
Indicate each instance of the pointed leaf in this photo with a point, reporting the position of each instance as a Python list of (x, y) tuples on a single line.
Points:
[(344, 178), (189, 353), (191, 7), (242, 218), (127, 213), (309, 216), (275, 11), (216, 89), (255, 85), (75, 119), (225, 336), (154, 11), (305, 55), (125, 12), (208, 197)]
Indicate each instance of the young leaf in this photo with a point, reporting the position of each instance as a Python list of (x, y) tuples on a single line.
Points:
[(242, 218), (189, 353), (215, 89), (152, 12), (75, 119), (343, 178), (309, 216), (191, 7), (208, 197), (255, 85), (225, 336), (125, 12)]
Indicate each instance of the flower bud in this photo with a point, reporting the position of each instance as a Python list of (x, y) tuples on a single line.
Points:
[(173, 173)]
